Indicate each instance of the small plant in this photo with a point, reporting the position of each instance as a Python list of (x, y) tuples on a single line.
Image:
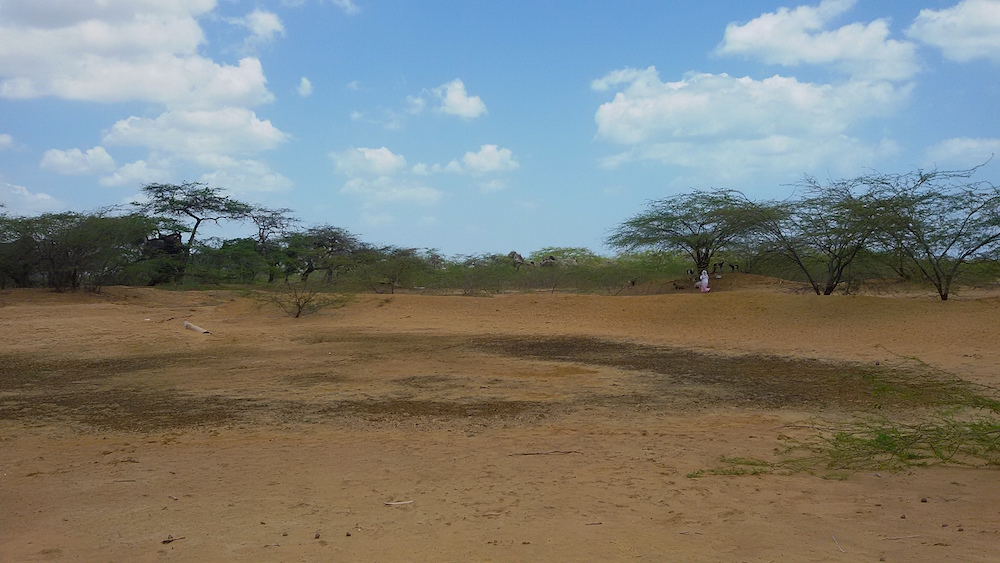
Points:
[(300, 299)]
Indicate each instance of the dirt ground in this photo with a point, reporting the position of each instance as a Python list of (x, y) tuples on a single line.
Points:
[(520, 427)]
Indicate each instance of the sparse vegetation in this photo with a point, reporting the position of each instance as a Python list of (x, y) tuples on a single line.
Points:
[(298, 299), (939, 228)]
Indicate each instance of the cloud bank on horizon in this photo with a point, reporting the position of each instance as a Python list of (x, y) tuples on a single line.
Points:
[(425, 127)]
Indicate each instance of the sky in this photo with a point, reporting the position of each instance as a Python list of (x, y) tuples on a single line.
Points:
[(485, 126)]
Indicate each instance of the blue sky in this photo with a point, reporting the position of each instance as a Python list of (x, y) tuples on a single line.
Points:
[(484, 126)]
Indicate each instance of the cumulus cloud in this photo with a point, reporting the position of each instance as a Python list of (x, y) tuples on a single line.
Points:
[(791, 37), (456, 101), (718, 105), (247, 176), (19, 201), (119, 50), (147, 51), (490, 158), (264, 27), (137, 173), (305, 87), (722, 128), (963, 151), (74, 162), (368, 162), (193, 134), (380, 177), (969, 30), (450, 98)]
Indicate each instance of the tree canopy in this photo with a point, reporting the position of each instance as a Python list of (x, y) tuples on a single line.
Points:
[(699, 224)]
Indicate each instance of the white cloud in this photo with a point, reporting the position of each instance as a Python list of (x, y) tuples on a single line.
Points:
[(368, 162), (963, 151), (456, 101), (722, 129), (264, 27), (379, 177), (19, 201), (720, 106), (387, 189), (74, 162), (247, 176), (138, 173), (195, 134), (969, 30), (59, 13), (615, 78), (794, 36), (305, 87), (119, 50), (348, 6), (490, 158), (451, 98), (741, 160), (6, 142)]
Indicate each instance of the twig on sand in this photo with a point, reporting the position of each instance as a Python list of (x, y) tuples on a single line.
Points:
[(398, 503), (838, 544), (171, 539), (593, 523), (553, 452), (902, 537)]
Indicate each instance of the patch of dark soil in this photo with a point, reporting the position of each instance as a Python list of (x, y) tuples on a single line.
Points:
[(378, 409), (19, 371), (127, 409), (759, 381), (424, 381), (91, 393), (310, 379)]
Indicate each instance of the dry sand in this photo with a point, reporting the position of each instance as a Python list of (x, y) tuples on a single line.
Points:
[(524, 427)]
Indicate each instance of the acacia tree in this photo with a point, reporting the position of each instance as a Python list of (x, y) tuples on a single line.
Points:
[(699, 224), (195, 201), (324, 247), (822, 232), (271, 223), (940, 221)]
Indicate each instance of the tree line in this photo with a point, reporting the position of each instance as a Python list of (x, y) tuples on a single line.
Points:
[(933, 226)]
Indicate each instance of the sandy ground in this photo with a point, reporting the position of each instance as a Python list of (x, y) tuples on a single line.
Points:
[(525, 427)]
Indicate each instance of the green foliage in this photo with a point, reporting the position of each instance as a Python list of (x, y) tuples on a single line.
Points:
[(821, 233), (383, 269), (195, 201), (71, 250), (939, 222), (699, 224), (234, 261)]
